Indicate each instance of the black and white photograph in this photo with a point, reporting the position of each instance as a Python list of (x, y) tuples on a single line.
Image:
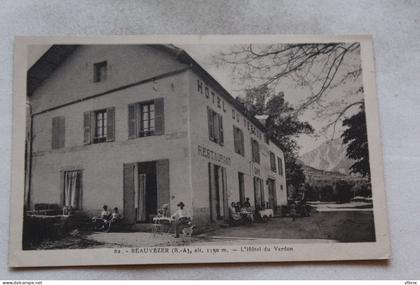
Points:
[(207, 147)]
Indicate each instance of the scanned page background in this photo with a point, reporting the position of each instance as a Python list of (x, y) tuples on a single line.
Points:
[(394, 25)]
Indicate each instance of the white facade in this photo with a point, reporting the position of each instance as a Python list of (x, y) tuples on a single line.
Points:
[(184, 158)]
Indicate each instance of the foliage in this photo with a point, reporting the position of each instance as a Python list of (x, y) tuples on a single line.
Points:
[(355, 136), (282, 125), (321, 68)]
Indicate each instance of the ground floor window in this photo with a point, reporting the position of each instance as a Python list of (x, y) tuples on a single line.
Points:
[(72, 192)]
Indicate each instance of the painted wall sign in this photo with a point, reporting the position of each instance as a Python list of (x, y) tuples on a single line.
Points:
[(202, 88), (212, 155)]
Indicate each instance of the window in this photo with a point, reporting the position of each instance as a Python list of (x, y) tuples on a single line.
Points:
[(146, 119), (273, 162), (255, 151), (215, 125), (58, 132), (99, 71), (238, 140), (280, 163), (99, 126), (72, 188), (267, 139)]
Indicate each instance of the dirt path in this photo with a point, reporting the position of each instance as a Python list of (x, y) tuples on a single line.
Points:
[(340, 226), (343, 226)]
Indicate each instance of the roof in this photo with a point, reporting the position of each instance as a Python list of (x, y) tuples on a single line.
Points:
[(57, 54), (46, 64)]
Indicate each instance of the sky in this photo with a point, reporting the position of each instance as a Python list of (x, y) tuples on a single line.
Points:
[(204, 55), (225, 75)]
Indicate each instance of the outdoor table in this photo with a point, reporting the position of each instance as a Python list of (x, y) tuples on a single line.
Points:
[(266, 213)]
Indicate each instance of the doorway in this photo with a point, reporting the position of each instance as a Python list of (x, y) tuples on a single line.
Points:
[(272, 194), (146, 192), (241, 184), (146, 189), (259, 198), (219, 209)]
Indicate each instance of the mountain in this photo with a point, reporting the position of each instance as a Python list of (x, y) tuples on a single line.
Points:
[(329, 156)]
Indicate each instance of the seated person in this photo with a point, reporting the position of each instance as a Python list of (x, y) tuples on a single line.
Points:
[(115, 218), (238, 206), (181, 217), (102, 221), (246, 210), (234, 215), (164, 211), (105, 214)]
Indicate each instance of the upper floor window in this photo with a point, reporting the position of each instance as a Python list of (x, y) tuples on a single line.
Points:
[(99, 126), (146, 118), (99, 71), (255, 151), (267, 139), (280, 163), (238, 139), (273, 162), (215, 125)]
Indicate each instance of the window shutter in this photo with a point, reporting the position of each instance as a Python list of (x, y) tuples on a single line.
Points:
[(221, 138), (253, 150), (159, 117), (132, 121), (86, 127), (280, 164), (54, 133), (216, 133), (210, 123), (110, 127), (235, 139), (129, 213), (162, 175), (61, 131), (242, 144), (257, 148), (262, 193)]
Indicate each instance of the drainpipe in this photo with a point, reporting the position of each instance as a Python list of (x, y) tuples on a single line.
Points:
[(29, 160)]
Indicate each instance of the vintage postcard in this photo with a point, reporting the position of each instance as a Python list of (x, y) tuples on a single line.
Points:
[(195, 149)]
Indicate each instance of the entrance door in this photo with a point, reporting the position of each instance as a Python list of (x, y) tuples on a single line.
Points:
[(272, 195), (219, 208), (146, 192), (146, 189)]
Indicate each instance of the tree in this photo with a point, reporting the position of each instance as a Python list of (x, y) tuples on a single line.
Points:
[(355, 136), (282, 125), (321, 67)]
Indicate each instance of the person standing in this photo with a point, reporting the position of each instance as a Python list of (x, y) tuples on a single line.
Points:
[(293, 211)]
